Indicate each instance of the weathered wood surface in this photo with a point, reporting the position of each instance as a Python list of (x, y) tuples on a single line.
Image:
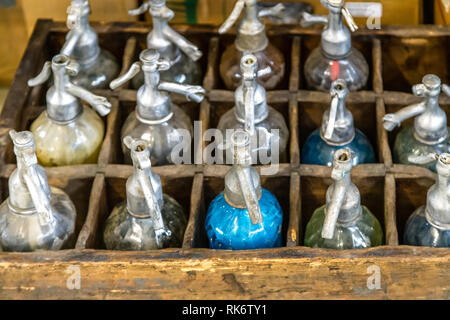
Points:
[(287, 273), (391, 191)]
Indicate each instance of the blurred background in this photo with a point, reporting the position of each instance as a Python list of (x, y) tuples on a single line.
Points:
[(17, 19)]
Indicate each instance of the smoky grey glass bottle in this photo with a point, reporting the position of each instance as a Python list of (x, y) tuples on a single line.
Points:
[(148, 219), (267, 127)]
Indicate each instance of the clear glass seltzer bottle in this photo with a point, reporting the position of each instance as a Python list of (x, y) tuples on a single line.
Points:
[(97, 66), (35, 216), (335, 58), (156, 119), (267, 127), (182, 55)]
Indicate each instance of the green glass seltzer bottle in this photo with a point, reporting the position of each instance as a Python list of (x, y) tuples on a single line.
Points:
[(343, 223)]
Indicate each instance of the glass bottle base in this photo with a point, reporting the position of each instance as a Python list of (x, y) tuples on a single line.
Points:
[(162, 138), (419, 232), (270, 59), (23, 232), (265, 135), (365, 233), (321, 71), (77, 142), (125, 232), (231, 228), (185, 71), (318, 151), (100, 74), (406, 145)]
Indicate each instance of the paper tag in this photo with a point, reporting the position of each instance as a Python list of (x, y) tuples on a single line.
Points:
[(365, 9)]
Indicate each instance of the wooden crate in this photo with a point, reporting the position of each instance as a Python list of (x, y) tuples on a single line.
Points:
[(193, 271)]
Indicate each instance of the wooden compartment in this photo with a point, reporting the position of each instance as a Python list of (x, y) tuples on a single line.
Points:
[(408, 59), (390, 191)]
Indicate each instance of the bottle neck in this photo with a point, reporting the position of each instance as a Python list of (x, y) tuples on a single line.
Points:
[(152, 104), (87, 49), (431, 126), (261, 109), (62, 107), (343, 130), (20, 200), (336, 38), (233, 192), (158, 41), (136, 203), (251, 34), (350, 209), (438, 202)]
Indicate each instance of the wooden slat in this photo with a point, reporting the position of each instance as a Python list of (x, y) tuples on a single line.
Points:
[(109, 150), (195, 214), (219, 171), (274, 96), (272, 29), (211, 76), (390, 221), (294, 147), (170, 171), (294, 230), (294, 79), (97, 205), (360, 171), (83, 171), (377, 66), (285, 273), (384, 152)]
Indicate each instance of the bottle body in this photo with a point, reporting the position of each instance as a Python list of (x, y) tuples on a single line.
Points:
[(317, 151), (126, 232), (365, 232), (23, 232), (321, 71), (183, 71), (419, 232), (228, 227), (263, 130), (161, 138), (270, 59), (99, 74), (76, 142), (407, 145)]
